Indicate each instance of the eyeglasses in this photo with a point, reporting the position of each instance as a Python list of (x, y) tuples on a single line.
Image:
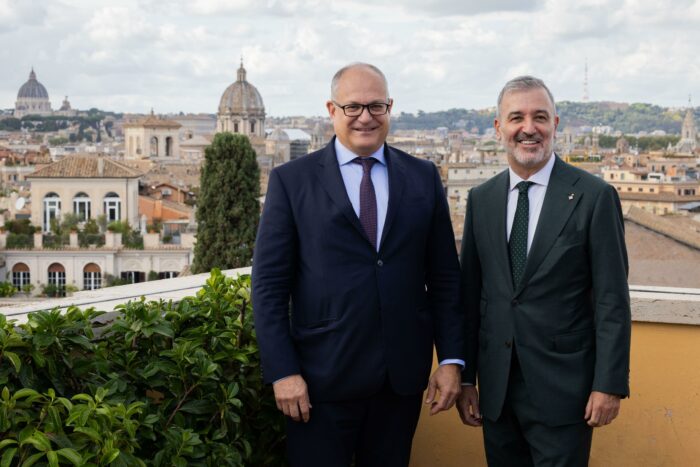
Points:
[(355, 110)]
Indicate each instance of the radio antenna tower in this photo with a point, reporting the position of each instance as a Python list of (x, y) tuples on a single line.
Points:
[(585, 81)]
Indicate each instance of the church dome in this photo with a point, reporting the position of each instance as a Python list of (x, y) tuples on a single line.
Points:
[(65, 106), (32, 89), (241, 97)]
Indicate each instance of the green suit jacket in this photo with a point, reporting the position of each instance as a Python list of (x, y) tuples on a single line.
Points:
[(570, 317)]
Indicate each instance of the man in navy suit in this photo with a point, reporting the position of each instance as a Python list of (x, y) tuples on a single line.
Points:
[(355, 277)]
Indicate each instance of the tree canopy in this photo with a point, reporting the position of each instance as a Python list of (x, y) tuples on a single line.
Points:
[(228, 208)]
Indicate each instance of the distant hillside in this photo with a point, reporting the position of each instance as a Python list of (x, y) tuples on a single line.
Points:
[(628, 118)]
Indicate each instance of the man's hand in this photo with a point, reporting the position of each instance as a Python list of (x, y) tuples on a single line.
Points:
[(447, 381), (602, 408), (292, 398), (468, 406)]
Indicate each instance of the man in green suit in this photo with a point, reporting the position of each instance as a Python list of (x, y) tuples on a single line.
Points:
[(544, 283)]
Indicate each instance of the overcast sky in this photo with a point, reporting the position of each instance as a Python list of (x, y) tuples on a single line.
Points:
[(180, 55)]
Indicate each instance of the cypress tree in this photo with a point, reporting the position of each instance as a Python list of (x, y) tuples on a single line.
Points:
[(228, 209)]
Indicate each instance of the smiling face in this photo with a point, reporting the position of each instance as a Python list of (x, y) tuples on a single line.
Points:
[(366, 133), (526, 126)]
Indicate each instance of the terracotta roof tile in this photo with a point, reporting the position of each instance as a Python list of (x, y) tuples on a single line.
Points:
[(81, 166), (153, 122)]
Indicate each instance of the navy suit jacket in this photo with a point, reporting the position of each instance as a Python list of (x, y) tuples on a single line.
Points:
[(327, 305)]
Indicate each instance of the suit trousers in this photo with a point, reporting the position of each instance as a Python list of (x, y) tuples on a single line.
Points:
[(518, 439), (376, 431)]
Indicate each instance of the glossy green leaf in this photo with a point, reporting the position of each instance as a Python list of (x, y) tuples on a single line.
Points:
[(7, 456)]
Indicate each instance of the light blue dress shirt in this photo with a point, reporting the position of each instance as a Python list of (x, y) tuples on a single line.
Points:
[(352, 176)]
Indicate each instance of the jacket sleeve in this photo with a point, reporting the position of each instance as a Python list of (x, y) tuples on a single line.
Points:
[(609, 269), (470, 292), (442, 280), (274, 265)]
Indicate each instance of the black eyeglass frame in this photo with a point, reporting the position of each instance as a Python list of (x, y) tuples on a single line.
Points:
[(386, 105)]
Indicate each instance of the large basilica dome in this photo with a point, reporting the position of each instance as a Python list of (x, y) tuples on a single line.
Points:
[(241, 108), (32, 98)]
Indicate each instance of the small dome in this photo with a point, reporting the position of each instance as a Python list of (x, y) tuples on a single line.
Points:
[(32, 89), (278, 135), (241, 97), (65, 106)]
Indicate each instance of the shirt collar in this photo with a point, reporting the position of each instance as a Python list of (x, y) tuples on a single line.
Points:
[(541, 177), (345, 156)]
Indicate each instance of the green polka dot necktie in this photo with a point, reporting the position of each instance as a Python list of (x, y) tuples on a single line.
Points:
[(517, 244)]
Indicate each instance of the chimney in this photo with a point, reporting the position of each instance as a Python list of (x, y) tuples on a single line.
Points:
[(100, 167)]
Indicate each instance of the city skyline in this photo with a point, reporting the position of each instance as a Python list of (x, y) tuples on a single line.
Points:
[(176, 56)]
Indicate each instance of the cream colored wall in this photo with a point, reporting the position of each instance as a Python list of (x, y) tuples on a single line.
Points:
[(73, 262), (136, 147), (159, 261), (655, 207), (140, 138), (659, 425), (110, 262), (95, 188)]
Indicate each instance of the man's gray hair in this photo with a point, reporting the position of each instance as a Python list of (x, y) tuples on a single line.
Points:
[(339, 74), (523, 83)]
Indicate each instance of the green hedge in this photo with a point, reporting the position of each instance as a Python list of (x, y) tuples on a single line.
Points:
[(163, 384), (17, 240)]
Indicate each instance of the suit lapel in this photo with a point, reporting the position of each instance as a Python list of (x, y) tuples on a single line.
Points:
[(397, 176), (556, 209), (496, 213), (332, 181)]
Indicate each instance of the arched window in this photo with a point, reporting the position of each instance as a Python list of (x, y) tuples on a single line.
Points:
[(235, 127), (154, 146), (57, 278), (168, 146), (252, 127), (92, 277), (81, 206), (52, 210), (112, 207), (138, 145), (20, 275)]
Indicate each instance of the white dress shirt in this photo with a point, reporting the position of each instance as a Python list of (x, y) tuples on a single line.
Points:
[(535, 196)]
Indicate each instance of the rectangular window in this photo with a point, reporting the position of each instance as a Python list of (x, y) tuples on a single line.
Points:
[(52, 210), (57, 278), (20, 278), (112, 210), (133, 277), (167, 274), (92, 280), (81, 208)]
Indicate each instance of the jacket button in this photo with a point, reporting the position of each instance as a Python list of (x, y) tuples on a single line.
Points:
[(380, 263), (509, 344)]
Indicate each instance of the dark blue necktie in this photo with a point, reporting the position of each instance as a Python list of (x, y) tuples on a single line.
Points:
[(518, 234), (368, 199)]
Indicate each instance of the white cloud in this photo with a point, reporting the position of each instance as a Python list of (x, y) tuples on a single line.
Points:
[(181, 54)]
